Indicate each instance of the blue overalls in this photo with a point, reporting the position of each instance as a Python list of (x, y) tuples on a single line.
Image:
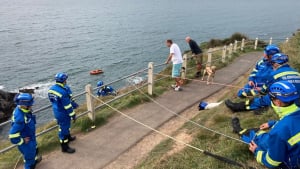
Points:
[(260, 75), (281, 145), (59, 96), (22, 126), (285, 72)]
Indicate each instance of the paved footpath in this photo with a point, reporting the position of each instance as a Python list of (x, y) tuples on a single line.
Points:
[(100, 147)]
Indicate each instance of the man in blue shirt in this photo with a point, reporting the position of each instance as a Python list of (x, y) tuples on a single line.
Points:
[(22, 131), (63, 105), (276, 144)]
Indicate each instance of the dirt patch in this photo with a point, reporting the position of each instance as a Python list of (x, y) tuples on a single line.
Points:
[(137, 153)]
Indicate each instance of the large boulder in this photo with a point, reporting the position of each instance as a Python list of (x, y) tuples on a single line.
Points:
[(7, 105)]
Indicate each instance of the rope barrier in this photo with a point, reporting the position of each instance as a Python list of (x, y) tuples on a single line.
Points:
[(221, 158)]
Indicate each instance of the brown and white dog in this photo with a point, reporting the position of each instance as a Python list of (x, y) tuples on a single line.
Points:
[(210, 71)]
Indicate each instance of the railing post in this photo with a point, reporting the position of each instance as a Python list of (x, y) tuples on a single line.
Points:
[(150, 78), (230, 50), (224, 54), (243, 44), (90, 102), (287, 40), (271, 39), (209, 55), (235, 46), (184, 65), (256, 43)]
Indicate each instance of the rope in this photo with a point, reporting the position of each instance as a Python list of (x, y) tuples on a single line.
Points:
[(188, 120), (224, 159)]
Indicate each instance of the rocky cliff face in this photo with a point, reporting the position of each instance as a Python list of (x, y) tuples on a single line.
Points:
[(7, 105)]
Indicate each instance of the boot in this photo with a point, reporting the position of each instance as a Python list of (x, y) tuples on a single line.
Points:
[(236, 126), (71, 138), (66, 149), (235, 107)]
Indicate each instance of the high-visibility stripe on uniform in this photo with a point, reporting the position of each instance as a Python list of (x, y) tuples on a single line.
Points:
[(68, 106), (253, 92), (286, 73), (260, 132), (64, 141), (72, 114), (252, 75), (55, 93), (271, 161), (255, 70), (16, 135), (21, 142), (294, 140), (259, 157)]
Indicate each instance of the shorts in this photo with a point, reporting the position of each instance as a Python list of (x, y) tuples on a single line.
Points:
[(176, 71), (198, 58)]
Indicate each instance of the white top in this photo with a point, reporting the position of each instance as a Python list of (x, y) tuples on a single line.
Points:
[(176, 54)]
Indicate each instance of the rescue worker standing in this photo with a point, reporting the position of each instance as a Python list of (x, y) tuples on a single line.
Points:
[(280, 146), (63, 108), (260, 74), (22, 131)]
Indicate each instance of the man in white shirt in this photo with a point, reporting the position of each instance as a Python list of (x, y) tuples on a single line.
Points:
[(176, 58)]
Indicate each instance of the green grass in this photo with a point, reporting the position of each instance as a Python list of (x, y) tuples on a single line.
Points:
[(49, 142)]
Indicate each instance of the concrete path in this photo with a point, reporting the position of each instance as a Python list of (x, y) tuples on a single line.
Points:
[(103, 145)]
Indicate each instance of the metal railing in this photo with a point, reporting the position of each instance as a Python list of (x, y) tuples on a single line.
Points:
[(226, 52)]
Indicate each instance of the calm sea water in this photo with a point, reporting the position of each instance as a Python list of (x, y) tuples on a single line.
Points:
[(39, 38)]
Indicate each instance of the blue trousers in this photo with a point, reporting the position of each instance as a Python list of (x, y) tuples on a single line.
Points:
[(64, 129), (258, 102), (29, 153)]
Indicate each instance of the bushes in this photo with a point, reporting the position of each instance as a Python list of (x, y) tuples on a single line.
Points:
[(221, 42)]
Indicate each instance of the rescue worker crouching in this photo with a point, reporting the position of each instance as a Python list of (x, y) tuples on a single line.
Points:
[(282, 71), (276, 144), (22, 131), (63, 105)]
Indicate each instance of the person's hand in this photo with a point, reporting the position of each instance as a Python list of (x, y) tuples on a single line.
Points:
[(166, 62), (74, 118), (251, 83), (258, 89), (26, 140), (264, 126), (252, 146)]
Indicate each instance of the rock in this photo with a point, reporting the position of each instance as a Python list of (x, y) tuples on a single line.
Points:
[(7, 105)]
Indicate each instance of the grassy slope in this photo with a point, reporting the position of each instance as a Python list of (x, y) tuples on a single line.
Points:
[(218, 119)]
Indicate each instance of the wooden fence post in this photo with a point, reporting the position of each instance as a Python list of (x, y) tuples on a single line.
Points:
[(243, 44), (230, 50), (90, 102), (271, 39), (209, 55), (150, 78), (184, 66), (235, 46), (224, 54), (256, 43), (287, 40)]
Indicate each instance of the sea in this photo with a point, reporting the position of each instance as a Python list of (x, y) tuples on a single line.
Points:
[(39, 38)]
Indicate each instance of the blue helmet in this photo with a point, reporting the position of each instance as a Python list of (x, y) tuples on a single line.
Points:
[(202, 105), (24, 99), (61, 77), (271, 50), (100, 83), (280, 58), (284, 91)]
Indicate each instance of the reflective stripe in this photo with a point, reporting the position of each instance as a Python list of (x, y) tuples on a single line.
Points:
[(55, 93), (259, 157), (260, 132), (252, 75), (286, 73), (72, 114), (64, 141), (247, 102), (14, 135), (243, 131), (253, 92), (265, 87), (21, 142), (247, 107), (255, 70), (271, 161), (68, 106), (244, 94), (294, 140)]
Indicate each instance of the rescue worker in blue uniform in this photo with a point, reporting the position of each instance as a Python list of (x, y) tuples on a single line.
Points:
[(63, 105), (104, 90), (22, 131), (282, 71), (276, 144), (260, 74)]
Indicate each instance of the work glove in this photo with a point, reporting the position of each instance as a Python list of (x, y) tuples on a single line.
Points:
[(74, 105)]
